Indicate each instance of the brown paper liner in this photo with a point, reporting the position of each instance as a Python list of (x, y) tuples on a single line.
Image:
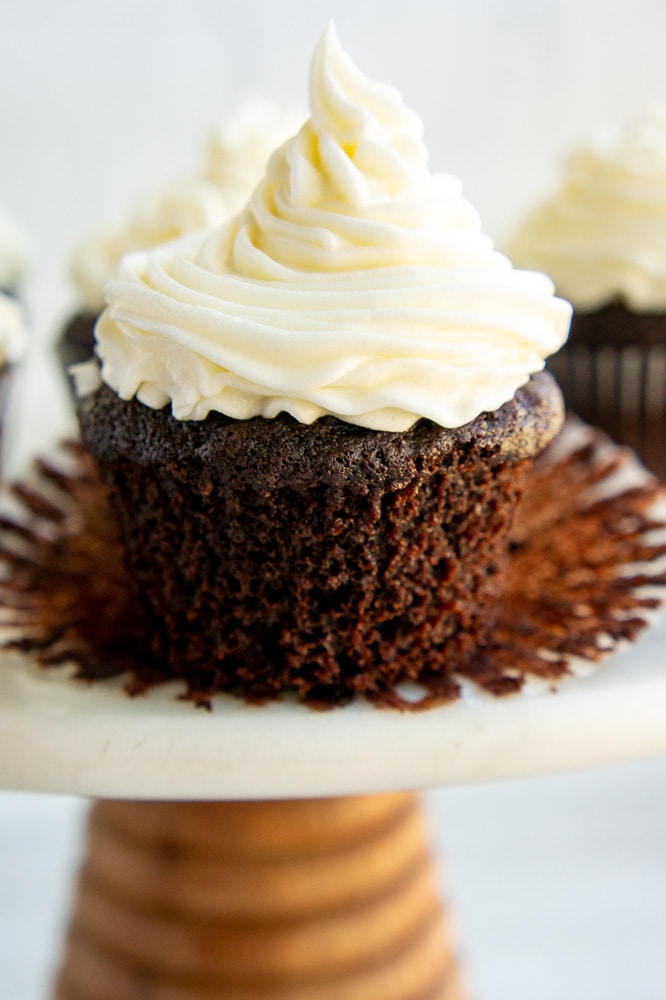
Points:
[(582, 554)]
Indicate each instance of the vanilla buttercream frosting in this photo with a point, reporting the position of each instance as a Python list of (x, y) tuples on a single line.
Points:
[(355, 283), (601, 235), (13, 336), (234, 162)]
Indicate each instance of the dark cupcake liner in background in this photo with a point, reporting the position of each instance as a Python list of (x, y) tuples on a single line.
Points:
[(612, 372)]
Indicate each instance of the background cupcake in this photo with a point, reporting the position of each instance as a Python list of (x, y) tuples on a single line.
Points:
[(602, 238), (233, 162), (348, 367)]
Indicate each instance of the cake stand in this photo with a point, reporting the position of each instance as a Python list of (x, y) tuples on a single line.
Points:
[(274, 851), (304, 862)]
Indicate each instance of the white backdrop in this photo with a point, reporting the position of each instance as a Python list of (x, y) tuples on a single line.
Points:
[(561, 883)]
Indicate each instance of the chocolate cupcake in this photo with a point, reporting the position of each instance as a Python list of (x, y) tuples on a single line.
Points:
[(234, 159), (316, 420), (602, 238), (324, 558)]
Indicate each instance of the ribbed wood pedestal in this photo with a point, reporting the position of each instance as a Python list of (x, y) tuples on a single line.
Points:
[(326, 899)]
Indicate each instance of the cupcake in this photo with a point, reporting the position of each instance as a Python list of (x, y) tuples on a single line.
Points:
[(234, 160), (602, 238), (315, 421)]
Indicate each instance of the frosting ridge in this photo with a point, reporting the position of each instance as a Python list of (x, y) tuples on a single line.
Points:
[(355, 283)]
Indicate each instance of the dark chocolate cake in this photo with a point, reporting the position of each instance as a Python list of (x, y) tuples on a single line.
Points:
[(325, 558)]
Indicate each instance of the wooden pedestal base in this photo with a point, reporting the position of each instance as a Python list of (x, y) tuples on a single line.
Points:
[(325, 899)]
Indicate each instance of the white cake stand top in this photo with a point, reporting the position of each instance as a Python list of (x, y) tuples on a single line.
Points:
[(60, 735)]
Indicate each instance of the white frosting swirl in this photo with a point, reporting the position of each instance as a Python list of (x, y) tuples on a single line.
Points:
[(355, 283), (235, 160), (13, 335), (602, 234), (14, 252)]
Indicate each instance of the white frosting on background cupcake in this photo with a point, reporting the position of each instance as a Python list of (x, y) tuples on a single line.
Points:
[(237, 153), (601, 236), (186, 207), (355, 283), (234, 162)]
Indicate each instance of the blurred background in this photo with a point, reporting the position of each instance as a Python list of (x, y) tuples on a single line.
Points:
[(559, 884)]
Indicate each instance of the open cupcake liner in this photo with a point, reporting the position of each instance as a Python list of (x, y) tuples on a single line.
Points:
[(587, 574)]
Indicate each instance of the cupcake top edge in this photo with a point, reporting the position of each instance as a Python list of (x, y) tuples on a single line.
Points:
[(283, 453), (601, 234), (354, 283)]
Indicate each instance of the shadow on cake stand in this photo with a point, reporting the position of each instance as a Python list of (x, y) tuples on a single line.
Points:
[(272, 851)]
